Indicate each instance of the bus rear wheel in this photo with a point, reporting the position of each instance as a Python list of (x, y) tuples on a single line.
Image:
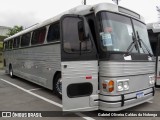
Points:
[(11, 71), (58, 86)]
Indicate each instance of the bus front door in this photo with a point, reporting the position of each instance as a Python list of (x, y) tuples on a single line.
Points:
[(79, 65)]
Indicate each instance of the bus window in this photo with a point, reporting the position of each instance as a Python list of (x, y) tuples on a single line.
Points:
[(10, 44), (3, 45), (81, 31), (38, 36), (153, 37), (25, 40), (16, 42), (77, 42), (6, 45), (53, 33)]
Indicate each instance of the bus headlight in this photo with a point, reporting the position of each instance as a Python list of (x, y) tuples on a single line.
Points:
[(122, 85), (151, 80), (126, 85)]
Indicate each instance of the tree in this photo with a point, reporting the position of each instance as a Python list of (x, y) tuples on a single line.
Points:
[(14, 30), (158, 10), (2, 38)]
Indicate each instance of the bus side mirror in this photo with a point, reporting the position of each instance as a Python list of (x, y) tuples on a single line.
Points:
[(86, 29), (83, 29)]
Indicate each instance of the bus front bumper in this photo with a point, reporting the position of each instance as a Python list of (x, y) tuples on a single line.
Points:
[(121, 102)]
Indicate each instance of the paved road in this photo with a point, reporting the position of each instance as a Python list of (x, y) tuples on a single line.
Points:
[(20, 95)]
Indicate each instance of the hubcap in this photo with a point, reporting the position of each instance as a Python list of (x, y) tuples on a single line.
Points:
[(11, 72), (59, 86)]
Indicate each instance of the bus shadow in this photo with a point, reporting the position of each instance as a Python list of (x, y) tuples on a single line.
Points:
[(33, 87)]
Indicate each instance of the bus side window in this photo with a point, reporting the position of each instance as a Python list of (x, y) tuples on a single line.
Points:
[(25, 40), (81, 31), (38, 36), (10, 44), (16, 42), (6, 45), (153, 41), (53, 33)]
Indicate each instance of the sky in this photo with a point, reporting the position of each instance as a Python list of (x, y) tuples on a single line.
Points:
[(28, 12)]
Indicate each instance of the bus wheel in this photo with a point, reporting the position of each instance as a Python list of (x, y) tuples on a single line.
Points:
[(157, 86), (11, 71), (58, 86)]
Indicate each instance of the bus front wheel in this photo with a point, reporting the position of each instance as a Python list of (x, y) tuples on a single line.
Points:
[(58, 86)]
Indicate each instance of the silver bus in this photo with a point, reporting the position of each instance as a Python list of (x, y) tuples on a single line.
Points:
[(154, 33), (95, 57)]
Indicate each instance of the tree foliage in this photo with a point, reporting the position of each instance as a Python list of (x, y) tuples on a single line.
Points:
[(1, 44), (2, 38), (158, 10), (14, 30)]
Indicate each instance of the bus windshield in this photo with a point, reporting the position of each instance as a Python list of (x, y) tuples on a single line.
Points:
[(141, 31), (117, 33)]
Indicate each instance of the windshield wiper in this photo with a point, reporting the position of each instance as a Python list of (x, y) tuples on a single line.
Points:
[(141, 41), (132, 45)]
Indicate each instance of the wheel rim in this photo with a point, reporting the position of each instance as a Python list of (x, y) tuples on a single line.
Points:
[(59, 86), (10, 72)]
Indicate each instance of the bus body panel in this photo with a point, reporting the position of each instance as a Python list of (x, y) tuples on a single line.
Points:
[(113, 68), (36, 64), (158, 71), (137, 73), (75, 75)]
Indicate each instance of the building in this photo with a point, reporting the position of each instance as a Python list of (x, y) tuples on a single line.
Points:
[(4, 30)]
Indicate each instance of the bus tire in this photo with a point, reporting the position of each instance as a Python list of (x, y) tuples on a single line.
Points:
[(58, 86), (157, 86), (11, 71)]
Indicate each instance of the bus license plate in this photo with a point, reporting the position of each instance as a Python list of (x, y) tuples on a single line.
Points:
[(140, 95)]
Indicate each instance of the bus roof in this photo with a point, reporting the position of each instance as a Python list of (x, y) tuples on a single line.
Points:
[(82, 10), (155, 27)]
